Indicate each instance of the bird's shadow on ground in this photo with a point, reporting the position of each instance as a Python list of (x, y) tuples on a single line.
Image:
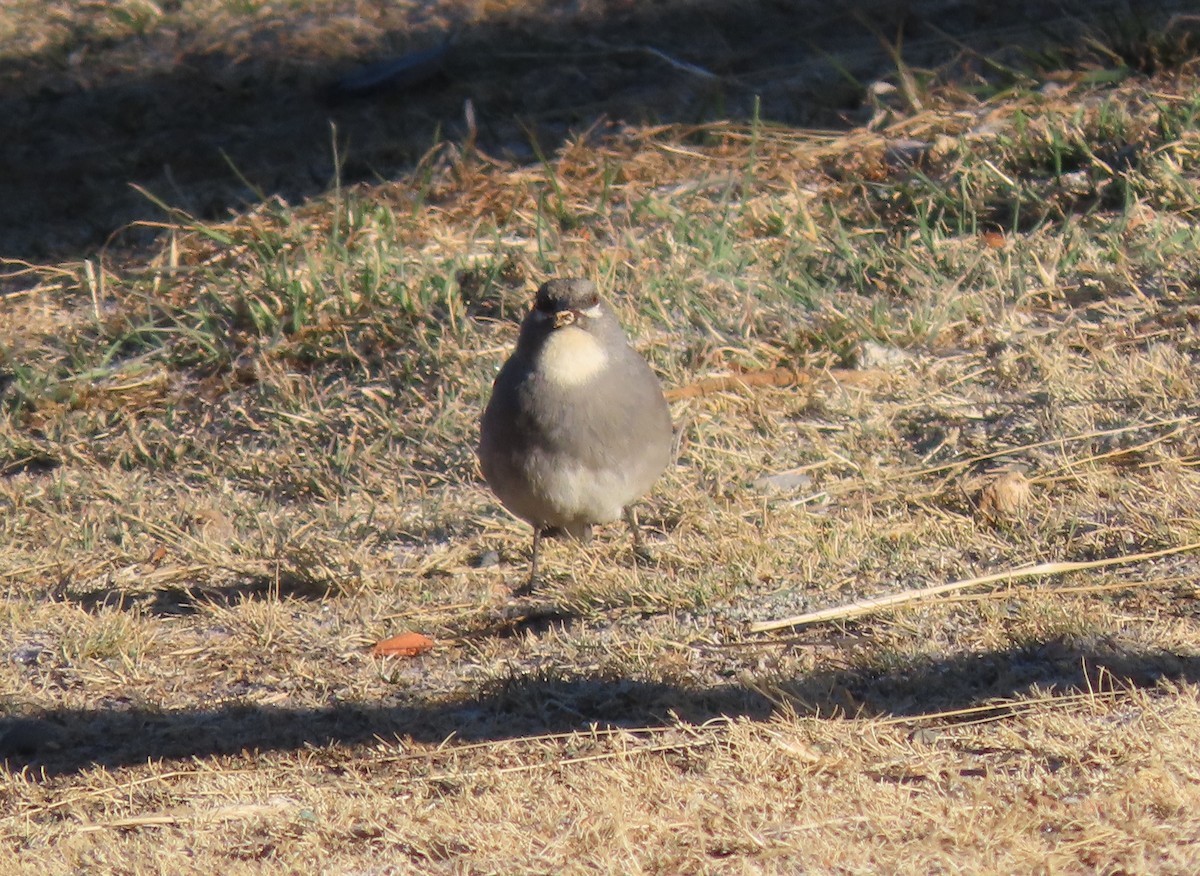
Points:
[(64, 741)]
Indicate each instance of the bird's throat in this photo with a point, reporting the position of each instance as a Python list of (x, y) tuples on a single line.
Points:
[(571, 357)]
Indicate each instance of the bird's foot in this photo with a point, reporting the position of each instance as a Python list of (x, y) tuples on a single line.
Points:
[(526, 589)]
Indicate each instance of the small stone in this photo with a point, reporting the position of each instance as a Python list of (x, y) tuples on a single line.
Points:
[(925, 735), (784, 482), (1005, 497), (27, 654), (875, 356)]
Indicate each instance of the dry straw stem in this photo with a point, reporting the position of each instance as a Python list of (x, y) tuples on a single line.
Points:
[(776, 377), (873, 604), (988, 712), (1184, 423), (1181, 422)]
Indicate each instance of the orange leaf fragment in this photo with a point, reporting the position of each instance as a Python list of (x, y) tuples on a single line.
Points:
[(403, 645), (156, 556)]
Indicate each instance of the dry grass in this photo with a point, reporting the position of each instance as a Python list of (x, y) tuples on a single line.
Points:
[(230, 466)]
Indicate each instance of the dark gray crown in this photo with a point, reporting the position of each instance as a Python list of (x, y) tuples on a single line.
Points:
[(566, 294)]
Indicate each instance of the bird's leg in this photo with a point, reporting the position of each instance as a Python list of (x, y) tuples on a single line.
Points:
[(533, 564), (639, 548)]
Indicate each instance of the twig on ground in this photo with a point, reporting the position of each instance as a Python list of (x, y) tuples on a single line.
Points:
[(776, 377), (873, 604)]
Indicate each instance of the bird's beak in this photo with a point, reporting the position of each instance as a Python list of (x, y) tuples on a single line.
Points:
[(564, 318)]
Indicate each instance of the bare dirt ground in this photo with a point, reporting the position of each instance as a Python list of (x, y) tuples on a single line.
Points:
[(236, 444)]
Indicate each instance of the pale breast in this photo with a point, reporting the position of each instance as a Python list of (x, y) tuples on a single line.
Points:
[(571, 357)]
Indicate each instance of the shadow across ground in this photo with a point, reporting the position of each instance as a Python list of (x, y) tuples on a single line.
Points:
[(63, 741), (177, 599), (213, 131)]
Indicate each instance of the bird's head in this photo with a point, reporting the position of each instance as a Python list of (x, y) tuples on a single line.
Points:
[(571, 332), (561, 303)]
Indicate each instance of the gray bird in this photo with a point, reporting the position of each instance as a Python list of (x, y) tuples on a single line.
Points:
[(577, 428)]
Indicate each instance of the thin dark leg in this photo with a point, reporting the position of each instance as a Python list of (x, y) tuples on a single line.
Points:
[(533, 563)]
